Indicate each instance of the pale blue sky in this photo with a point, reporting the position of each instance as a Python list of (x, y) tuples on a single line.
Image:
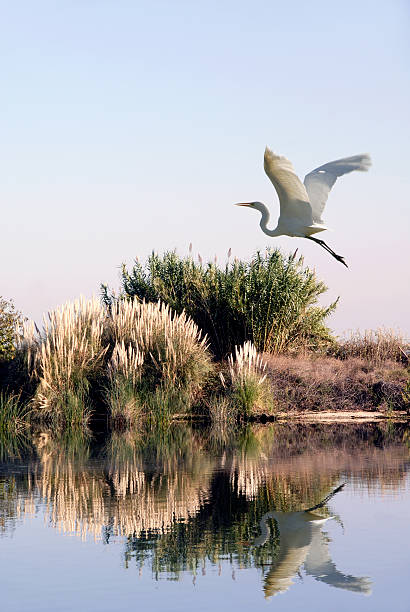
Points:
[(129, 126)]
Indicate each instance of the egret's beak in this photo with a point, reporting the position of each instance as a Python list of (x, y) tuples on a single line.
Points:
[(244, 204)]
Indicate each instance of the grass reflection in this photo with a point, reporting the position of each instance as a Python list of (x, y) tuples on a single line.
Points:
[(183, 497)]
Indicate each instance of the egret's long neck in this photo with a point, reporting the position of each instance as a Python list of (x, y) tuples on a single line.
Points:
[(265, 531), (265, 220)]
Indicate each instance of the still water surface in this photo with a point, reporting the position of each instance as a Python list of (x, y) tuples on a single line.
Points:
[(206, 520)]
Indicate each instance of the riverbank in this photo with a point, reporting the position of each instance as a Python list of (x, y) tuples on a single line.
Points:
[(247, 341), (340, 416), (249, 387)]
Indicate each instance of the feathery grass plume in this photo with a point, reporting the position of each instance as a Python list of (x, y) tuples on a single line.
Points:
[(64, 358), (124, 376), (28, 344), (374, 345), (175, 353), (126, 362), (247, 372), (271, 300)]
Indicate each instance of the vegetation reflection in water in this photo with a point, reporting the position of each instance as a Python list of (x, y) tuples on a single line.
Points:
[(182, 497)]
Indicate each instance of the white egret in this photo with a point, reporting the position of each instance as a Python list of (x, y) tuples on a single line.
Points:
[(302, 205)]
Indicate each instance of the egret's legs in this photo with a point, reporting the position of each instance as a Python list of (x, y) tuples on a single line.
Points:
[(327, 248)]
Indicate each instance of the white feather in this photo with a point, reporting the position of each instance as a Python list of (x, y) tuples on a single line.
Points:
[(320, 181)]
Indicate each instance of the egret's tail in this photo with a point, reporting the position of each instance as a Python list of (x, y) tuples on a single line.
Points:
[(308, 230)]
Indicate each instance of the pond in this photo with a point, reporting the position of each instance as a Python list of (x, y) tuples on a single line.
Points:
[(202, 519)]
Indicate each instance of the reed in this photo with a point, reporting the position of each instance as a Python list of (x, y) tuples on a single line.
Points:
[(271, 301), (161, 404), (222, 412)]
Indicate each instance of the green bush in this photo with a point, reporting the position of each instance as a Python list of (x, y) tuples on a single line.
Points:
[(271, 301), (10, 321)]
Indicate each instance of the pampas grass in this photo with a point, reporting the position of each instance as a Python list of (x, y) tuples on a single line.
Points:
[(175, 351), (247, 374), (124, 377), (64, 359), (132, 355)]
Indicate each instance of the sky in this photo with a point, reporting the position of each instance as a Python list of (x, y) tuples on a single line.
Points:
[(129, 126)]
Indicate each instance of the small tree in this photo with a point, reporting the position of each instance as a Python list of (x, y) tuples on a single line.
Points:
[(10, 321)]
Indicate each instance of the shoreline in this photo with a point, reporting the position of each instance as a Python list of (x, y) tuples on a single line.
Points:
[(344, 416), (310, 416)]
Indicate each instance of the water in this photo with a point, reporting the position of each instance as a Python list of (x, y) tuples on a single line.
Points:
[(205, 520)]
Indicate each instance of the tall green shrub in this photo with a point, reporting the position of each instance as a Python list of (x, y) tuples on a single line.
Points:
[(271, 300), (10, 320)]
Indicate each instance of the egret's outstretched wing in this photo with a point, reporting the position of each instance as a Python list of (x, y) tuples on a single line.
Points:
[(320, 181), (293, 197), (320, 565)]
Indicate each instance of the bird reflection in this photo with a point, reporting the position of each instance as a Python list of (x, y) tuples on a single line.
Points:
[(303, 542)]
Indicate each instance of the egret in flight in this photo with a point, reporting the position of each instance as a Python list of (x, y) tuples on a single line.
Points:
[(302, 205)]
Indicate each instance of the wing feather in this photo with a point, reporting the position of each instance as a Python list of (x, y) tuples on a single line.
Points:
[(320, 565), (320, 181), (293, 197)]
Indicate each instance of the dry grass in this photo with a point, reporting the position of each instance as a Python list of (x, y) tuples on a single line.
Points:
[(325, 383), (373, 345)]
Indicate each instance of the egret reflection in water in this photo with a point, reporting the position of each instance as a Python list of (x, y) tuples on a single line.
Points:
[(174, 502), (302, 542)]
